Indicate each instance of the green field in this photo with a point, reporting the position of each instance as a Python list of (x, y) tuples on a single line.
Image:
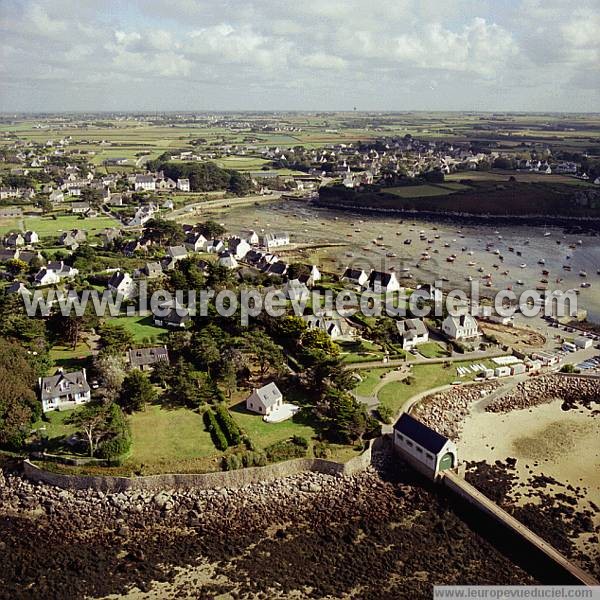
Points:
[(419, 191), (431, 350), (426, 377), (68, 357), (165, 435), (263, 434), (141, 327), (49, 227), (370, 379)]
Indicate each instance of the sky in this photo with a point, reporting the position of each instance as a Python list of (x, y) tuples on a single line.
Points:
[(378, 55)]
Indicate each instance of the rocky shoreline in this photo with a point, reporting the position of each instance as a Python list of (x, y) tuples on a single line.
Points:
[(574, 391), (446, 411), (382, 532)]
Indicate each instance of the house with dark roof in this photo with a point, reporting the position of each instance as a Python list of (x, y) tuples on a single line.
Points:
[(122, 284), (64, 390), (424, 448), (176, 318), (145, 358), (356, 277), (381, 282), (412, 332)]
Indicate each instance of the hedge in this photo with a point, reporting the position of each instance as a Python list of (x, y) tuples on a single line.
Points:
[(212, 426), (228, 425)]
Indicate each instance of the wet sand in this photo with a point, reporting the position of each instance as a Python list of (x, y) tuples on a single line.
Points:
[(357, 232)]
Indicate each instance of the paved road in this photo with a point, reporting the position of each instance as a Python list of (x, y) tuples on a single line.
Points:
[(376, 364)]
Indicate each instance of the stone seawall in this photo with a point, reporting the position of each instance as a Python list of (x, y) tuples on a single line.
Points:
[(221, 479)]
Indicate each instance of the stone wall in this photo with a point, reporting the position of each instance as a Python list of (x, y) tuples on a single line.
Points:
[(221, 479)]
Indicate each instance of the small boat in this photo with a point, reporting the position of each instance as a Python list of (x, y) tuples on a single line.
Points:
[(523, 265), (567, 267), (547, 234), (579, 242), (519, 282), (379, 237), (586, 284), (511, 249), (558, 242), (469, 278), (445, 279), (450, 259), (541, 261), (545, 272), (582, 274), (391, 254), (470, 253), (472, 263), (408, 242), (519, 253), (496, 251)]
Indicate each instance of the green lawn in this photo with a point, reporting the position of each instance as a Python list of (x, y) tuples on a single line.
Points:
[(141, 327), (418, 191), (7, 225), (49, 227), (69, 358), (162, 435), (431, 350), (264, 434), (53, 424), (396, 393), (369, 380)]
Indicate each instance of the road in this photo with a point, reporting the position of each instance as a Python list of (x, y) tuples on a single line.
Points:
[(376, 364)]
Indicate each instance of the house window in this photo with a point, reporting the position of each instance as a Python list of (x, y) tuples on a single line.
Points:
[(420, 450), (409, 443), (400, 437), (429, 456)]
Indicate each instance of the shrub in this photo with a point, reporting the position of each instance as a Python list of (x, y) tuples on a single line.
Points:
[(285, 450), (228, 425), (232, 462), (385, 413), (321, 450), (300, 441), (254, 459), (212, 426)]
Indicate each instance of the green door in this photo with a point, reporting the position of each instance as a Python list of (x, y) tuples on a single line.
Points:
[(447, 461)]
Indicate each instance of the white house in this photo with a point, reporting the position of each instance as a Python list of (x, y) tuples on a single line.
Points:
[(144, 183), (334, 325), (356, 277), (227, 260), (239, 247), (183, 185), (265, 400), (31, 237), (460, 327), (64, 390), (122, 284), (274, 240), (295, 289), (413, 332), (383, 283), (214, 246), (53, 272), (142, 215), (195, 242), (251, 237), (428, 451)]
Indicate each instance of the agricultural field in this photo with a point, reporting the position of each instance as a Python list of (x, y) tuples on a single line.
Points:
[(53, 227)]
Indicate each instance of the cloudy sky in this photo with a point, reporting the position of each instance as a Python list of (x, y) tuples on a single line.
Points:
[(306, 54)]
